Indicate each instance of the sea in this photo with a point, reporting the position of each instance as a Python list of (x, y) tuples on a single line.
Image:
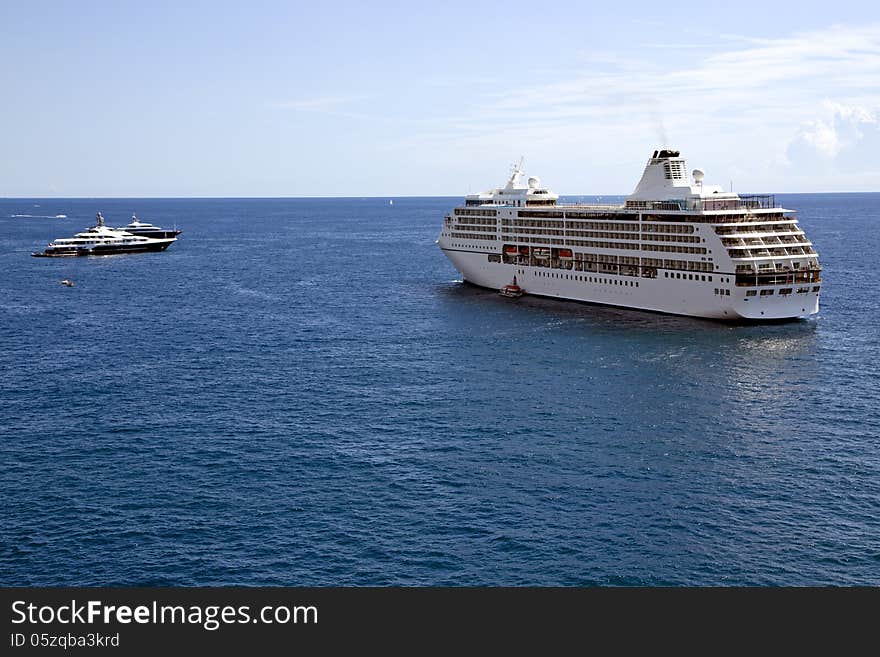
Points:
[(303, 392)]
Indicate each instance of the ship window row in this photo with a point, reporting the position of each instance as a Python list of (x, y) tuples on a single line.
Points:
[(473, 229), (604, 245), (533, 224), (782, 292), (506, 231), (667, 228), (751, 220), (773, 240), (542, 215), (673, 249), (476, 213), (687, 265), (771, 229), (694, 239), (722, 292), (626, 246), (620, 265), (602, 225), (587, 266), (473, 236), (471, 202), (631, 246), (580, 225), (777, 278), (586, 279), (595, 233), (576, 214), (781, 266), (686, 276), (769, 253), (471, 247), (709, 219), (477, 221), (531, 231), (673, 206)]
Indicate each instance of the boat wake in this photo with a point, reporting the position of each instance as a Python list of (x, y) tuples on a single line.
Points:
[(250, 292)]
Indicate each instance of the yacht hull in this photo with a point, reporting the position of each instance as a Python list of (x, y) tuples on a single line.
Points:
[(72, 252)]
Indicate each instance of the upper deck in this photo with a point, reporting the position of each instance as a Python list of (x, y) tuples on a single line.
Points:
[(664, 193)]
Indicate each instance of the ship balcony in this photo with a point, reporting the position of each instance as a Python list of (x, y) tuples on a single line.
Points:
[(744, 253), (764, 245), (763, 278), (752, 226), (738, 233)]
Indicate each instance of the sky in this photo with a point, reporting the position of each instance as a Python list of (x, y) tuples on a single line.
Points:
[(267, 99)]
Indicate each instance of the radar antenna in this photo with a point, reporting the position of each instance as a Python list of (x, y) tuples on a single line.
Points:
[(516, 170)]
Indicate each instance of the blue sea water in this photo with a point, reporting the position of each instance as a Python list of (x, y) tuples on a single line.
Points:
[(301, 392)]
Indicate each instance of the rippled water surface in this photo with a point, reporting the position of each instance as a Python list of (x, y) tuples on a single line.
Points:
[(301, 392)]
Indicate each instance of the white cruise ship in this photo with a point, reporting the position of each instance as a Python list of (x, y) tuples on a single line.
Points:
[(676, 245)]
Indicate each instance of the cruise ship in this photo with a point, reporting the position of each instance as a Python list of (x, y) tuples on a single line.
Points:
[(675, 245)]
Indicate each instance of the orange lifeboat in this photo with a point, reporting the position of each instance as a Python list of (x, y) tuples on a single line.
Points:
[(511, 290), (524, 250), (510, 250), (565, 254)]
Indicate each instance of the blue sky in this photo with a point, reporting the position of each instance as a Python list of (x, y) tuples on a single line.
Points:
[(381, 99)]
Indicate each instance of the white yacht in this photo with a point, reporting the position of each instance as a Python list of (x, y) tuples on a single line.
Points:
[(137, 227), (102, 240), (676, 245)]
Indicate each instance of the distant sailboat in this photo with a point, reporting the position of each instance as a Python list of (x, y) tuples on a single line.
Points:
[(391, 202)]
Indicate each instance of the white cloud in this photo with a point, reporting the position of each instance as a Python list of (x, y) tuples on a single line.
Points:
[(819, 135), (845, 139)]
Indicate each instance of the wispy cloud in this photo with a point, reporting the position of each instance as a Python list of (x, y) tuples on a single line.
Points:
[(319, 104), (770, 74), (747, 98)]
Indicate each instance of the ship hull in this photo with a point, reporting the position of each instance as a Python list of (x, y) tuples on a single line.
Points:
[(693, 298), (100, 250)]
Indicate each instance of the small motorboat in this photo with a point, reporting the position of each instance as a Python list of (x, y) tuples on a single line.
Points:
[(67, 282)]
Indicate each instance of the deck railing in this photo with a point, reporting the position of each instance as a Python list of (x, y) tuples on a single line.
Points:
[(744, 202)]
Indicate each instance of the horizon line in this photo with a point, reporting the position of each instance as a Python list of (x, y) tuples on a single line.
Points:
[(390, 196)]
